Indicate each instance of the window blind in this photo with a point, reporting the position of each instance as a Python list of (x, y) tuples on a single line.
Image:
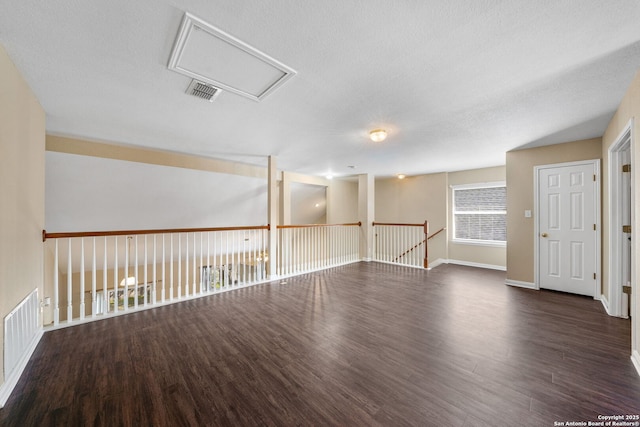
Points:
[(480, 213)]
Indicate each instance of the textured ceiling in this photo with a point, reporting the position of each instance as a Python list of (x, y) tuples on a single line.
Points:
[(457, 83)]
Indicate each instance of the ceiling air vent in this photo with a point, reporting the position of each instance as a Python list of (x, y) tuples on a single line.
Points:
[(203, 90)]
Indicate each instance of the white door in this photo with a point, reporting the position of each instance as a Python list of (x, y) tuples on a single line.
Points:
[(567, 236)]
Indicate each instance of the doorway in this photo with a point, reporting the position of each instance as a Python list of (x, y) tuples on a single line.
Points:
[(567, 227), (621, 217)]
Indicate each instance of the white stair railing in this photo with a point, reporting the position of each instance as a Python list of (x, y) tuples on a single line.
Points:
[(404, 244), (305, 248), (105, 273)]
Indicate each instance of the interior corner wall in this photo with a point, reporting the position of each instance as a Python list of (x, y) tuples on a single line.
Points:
[(629, 108), (22, 147), (342, 201), (414, 200), (520, 186), (485, 255)]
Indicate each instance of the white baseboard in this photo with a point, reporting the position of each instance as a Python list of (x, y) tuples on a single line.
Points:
[(605, 304), (10, 382), (436, 263), (477, 264), (519, 284), (635, 358)]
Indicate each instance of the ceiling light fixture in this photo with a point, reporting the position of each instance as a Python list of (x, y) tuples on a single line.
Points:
[(378, 135), (401, 176)]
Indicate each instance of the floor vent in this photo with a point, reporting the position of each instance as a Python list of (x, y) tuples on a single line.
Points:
[(20, 326), (22, 332), (203, 90)]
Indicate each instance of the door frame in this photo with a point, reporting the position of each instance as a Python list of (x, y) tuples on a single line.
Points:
[(597, 294), (614, 306)]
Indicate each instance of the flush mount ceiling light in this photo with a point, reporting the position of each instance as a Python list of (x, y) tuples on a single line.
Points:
[(401, 176), (206, 53), (378, 135)]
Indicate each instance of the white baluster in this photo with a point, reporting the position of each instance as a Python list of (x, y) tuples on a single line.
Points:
[(105, 292), (194, 274), (325, 247), (383, 243), (126, 274), (260, 251), (216, 276), (295, 247), (301, 248), (286, 250), (145, 274), (306, 242), (115, 276), (155, 272), (314, 247), (56, 295), (135, 275), (201, 263), (186, 268), (81, 313), (309, 247), (227, 261), (209, 276), (233, 269), (244, 257), (179, 266), (402, 244), (94, 300), (292, 249), (164, 276), (387, 243), (171, 280), (394, 247), (69, 284)]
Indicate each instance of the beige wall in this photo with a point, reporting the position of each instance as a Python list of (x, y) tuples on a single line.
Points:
[(628, 109), (22, 130), (428, 197), (414, 200), (342, 201), (519, 169), (488, 255)]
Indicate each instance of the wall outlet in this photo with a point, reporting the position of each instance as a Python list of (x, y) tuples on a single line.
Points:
[(527, 213)]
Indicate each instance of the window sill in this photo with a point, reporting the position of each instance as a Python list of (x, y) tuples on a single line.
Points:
[(486, 243)]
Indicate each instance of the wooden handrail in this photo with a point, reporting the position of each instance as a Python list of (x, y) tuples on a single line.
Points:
[(407, 251), (417, 245), (46, 235), (349, 224), (436, 233), (398, 224)]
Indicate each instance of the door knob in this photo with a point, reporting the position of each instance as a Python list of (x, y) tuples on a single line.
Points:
[(544, 234)]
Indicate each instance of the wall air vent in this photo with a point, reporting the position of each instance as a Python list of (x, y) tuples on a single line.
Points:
[(203, 90)]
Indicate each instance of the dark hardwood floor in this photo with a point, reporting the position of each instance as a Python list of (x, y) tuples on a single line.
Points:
[(364, 344)]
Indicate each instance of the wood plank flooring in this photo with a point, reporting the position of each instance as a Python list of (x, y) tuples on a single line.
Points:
[(365, 344)]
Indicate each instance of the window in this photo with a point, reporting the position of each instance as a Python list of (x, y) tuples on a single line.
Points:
[(480, 214)]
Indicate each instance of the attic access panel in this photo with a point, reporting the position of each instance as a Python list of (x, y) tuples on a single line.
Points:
[(207, 53)]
